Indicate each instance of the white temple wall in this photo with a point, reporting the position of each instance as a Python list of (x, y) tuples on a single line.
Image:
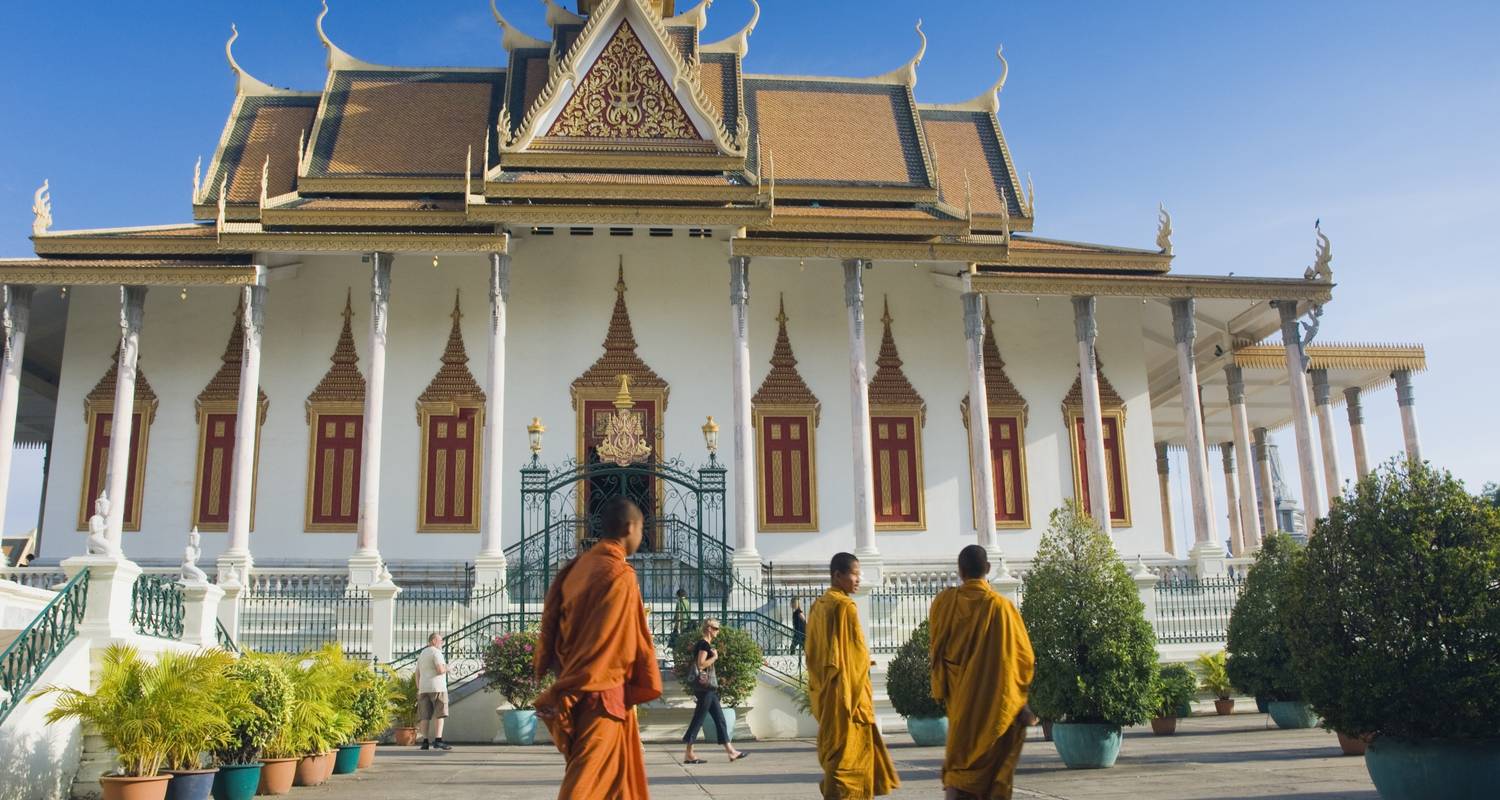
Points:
[(562, 291)]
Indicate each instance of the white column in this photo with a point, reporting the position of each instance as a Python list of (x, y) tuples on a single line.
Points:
[(247, 419), (1206, 538), (1086, 328), (383, 595), (1237, 538), (1323, 402), (859, 416), (132, 314), (1239, 418), (489, 565), (365, 565), (17, 318), (1265, 486), (1164, 489), (1296, 367), (982, 476), (1357, 431), (746, 558), (1407, 400)]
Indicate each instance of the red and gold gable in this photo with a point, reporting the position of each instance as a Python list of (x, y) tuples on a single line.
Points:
[(624, 96)]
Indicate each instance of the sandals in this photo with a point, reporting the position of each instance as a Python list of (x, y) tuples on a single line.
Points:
[(740, 756), (695, 761)]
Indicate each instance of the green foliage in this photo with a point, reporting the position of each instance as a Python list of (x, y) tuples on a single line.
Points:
[(908, 680), (265, 711), (406, 700), (508, 664), (1095, 651), (322, 717), (1260, 659), (740, 660), (1175, 687), (1213, 674), (1393, 616), (373, 701), (1491, 492), (151, 714)]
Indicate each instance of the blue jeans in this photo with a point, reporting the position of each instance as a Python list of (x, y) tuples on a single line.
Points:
[(708, 704)]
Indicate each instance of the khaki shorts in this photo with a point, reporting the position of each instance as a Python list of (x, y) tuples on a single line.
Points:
[(432, 705)]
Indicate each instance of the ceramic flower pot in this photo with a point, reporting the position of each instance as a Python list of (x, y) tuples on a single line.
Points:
[(1225, 706), (1083, 745), (190, 784), (1427, 769), (1291, 714), (928, 731), (367, 753), (1352, 745), (729, 718), (346, 760), (309, 771), (124, 788), (236, 781), (1262, 704), (1164, 726), (277, 775), (519, 725), (403, 737), (325, 763)]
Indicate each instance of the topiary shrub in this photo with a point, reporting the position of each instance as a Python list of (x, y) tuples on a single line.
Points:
[(740, 660), (255, 725), (1393, 617), (1260, 659), (908, 680), (508, 666), (373, 701), (1095, 651)]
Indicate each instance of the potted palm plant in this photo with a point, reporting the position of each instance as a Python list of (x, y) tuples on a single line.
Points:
[(149, 713), (404, 726), (192, 741), (253, 725), (317, 723), (1259, 658), (1213, 677), (508, 670), (373, 703), (1394, 624), (1175, 687), (908, 683), (1095, 652)]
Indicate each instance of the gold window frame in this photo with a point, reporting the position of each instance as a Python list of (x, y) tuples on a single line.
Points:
[(1019, 413), (426, 411), (204, 410), (141, 446), (811, 415), (918, 417), (315, 412), (1072, 417)]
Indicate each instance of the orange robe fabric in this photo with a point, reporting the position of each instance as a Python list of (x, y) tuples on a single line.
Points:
[(856, 765), (595, 638), (982, 667)]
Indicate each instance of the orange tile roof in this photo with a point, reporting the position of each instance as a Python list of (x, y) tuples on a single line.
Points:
[(618, 178), (837, 132), (405, 123), (966, 142), (261, 126), (719, 74), (856, 213), (376, 204)]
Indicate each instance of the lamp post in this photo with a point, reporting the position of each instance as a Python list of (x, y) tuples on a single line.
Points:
[(534, 433), (711, 439)]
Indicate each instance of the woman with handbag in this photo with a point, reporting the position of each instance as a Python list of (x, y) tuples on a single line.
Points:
[(703, 680)]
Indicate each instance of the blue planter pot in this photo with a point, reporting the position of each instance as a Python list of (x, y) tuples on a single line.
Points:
[(347, 760), (519, 725), (1262, 704), (193, 785), (1433, 769), (1291, 714), (928, 731), (1085, 745), (728, 720), (236, 781)]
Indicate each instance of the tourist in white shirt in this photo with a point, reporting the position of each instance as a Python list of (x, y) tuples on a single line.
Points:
[(432, 693)]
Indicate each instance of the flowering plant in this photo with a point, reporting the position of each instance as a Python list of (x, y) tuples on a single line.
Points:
[(508, 667)]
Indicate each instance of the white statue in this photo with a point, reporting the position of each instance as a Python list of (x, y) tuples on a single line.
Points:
[(190, 554), (99, 544)]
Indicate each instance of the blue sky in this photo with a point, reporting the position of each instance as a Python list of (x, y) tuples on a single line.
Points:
[(1249, 120)]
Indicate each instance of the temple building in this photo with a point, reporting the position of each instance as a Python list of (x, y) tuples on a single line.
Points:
[(400, 290)]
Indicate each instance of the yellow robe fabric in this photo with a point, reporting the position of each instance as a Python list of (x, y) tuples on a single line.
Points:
[(856, 765), (982, 666)]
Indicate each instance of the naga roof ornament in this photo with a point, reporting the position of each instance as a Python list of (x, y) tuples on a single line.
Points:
[(513, 37), (1163, 230), (907, 73), (1322, 269), (41, 209), (245, 83), (738, 44), (337, 57)]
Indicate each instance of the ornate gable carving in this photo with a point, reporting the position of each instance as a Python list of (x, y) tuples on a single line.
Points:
[(102, 397), (783, 385), (624, 96), (343, 383), (619, 357), (890, 386), (453, 383), (223, 390), (1108, 397), (999, 392)]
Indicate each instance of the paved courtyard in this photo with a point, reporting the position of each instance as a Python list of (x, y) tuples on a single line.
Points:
[(1210, 757)]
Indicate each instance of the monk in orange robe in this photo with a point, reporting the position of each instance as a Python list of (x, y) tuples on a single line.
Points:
[(982, 665), (595, 638), (855, 763)]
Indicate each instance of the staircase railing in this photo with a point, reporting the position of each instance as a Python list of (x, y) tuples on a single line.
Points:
[(157, 607), (464, 648), (26, 658)]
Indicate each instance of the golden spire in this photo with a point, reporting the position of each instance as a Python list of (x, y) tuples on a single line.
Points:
[(784, 385), (890, 386), (620, 356), (224, 387), (343, 383), (453, 380)]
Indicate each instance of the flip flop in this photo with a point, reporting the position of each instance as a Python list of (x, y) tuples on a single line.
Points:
[(695, 761), (740, 756)]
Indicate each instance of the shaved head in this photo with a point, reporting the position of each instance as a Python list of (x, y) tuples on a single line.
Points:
[(973, 562)]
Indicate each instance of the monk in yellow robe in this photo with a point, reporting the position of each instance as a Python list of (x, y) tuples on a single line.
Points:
[(982, 665), (855, 763), (594, 637)]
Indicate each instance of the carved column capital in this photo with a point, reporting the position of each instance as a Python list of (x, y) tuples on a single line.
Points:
[(1235, 377), (973, 316), (1405, 395), (854, 291), (380, 292), (254, 319), (739, 280), (1356, 410), (1227, 449), (1322, 393), (132, 309), (1085, 324), (1261, 452), (1163, 463), (1184, 325), (499, 287), (16, 312)]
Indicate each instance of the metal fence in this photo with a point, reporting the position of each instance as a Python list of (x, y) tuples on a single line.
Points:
[(35, 577), (464, 648), (1195, 610), (293, 612), (424, 610), (900, 605), (31, 652), (156, 606)]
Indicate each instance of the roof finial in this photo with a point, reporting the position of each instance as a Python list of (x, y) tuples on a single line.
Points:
[(265, 181), (301, 149), (1030, 197), (968, 200), (502, 125), (620, 277), (1322, 269), (781, 317), (197, 177), (512, 37), (994, 92), (485, 157), (907, 73), (41, 208), (885, 317), (557, 15), (1004, 216), (468, 174), (337, 58), (1164, 230), (697, 16), (223, 195), (739, 44), (244, 82)]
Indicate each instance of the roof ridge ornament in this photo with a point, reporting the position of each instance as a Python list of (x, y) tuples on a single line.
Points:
[(989, 101), (1030, 197), (1322, 269), (222, 217), (265, 182), (697, 16), (907, 73), (513, 37), (41, 209), (738, 44), (557, 15), (197, 178), (337, 57), (1163, 230), (244, 82)]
